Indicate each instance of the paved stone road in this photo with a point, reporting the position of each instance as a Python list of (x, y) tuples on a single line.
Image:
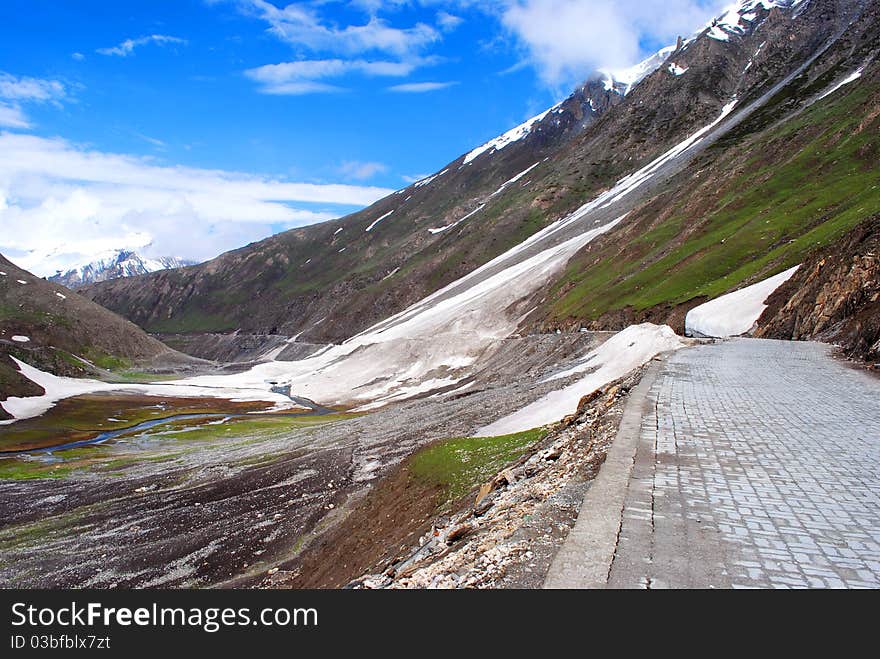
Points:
[(758, 467)]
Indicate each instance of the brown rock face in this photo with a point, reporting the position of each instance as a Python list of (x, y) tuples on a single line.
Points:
[(835, 296)]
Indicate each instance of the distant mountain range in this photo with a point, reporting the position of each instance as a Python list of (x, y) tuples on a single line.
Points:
[(121, 263)]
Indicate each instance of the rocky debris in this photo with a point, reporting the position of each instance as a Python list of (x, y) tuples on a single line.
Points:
[(833, 297), (494, 542)]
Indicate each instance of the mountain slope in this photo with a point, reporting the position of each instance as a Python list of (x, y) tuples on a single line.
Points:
[(795, 176), (121, 263), (52, 327), (330, 281)]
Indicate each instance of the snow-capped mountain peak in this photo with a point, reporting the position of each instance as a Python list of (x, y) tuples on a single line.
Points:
[(623, 80), (116, 264)]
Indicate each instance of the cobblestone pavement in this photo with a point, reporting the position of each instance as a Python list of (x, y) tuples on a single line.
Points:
[(758, 467)]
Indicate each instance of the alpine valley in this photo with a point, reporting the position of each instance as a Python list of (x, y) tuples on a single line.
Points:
[(389, 398)]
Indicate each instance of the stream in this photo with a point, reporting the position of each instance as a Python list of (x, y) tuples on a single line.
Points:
[(314, 409)]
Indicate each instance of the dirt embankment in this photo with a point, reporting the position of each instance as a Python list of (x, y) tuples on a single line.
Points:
[(833, 297), (503, 532)]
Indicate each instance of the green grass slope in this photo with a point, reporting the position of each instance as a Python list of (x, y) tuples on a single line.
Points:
[(754, 204)]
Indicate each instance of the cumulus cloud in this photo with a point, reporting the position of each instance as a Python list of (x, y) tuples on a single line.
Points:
[(368, 46), (128, 46), (567, 39), (302, 25), (62, 203)]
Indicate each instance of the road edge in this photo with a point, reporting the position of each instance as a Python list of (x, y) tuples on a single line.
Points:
[(584, 560)]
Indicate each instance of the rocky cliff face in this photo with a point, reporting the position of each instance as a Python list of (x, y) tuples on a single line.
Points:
[(834, 297)]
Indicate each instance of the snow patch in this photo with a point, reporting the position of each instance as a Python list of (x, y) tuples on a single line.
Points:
[(338, 231), (430, 179), (457, 222), (677, 70), (57, 388), (627, 79), (513, 180), (388, 214), (61, 295), (508, 138), (622, 353), (21, 281), (852, 77), (21, 339), (735, 313)]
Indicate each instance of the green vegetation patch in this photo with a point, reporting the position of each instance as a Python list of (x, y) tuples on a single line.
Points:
[(458, 465), (813, 180)]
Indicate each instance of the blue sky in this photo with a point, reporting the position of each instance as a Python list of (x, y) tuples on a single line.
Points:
[(138, 123)]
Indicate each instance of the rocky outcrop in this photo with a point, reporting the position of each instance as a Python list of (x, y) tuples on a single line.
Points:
[(834, 297)]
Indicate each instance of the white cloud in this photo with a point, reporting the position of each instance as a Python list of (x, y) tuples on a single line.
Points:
[(421, 87), (79, 57), (15, 90), (11, 116), (447, 21), (301, 77), (361, 171), (128, 46), (64, 203), (301, 25), (567, 39)]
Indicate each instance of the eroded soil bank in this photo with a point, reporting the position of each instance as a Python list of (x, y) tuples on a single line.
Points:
[(467, 513)]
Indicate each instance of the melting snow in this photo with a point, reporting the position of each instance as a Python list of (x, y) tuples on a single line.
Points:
[(514, 180), (508, 138), (457, 222), (623, 352), (428, 344), (735, 313), (20, 339), (731, 21), (429, 179), (58, 388), (852, 77), (632, 76), (388, 214)]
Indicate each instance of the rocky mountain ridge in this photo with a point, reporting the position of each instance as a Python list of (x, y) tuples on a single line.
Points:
[(121, 263)]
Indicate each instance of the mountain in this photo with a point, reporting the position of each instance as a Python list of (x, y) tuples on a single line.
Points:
[(55, 329), (120, 263), (728, 158)]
